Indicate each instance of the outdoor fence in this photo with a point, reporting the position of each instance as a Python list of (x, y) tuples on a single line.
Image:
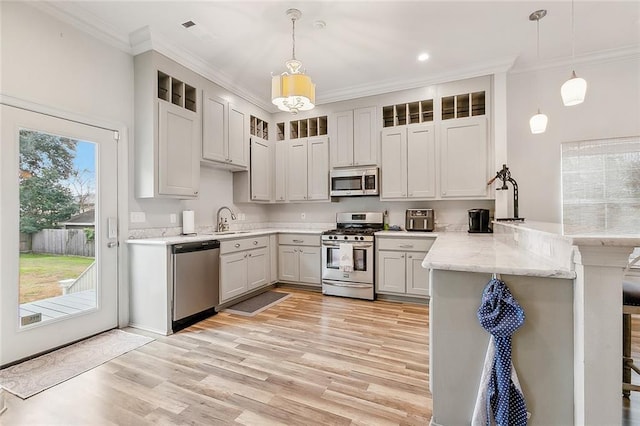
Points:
[(69, 242)]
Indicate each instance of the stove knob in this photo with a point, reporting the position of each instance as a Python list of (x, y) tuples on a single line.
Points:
[(346, 238), (361, 238)]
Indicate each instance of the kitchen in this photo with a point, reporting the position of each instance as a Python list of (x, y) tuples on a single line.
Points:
[(103, 77)]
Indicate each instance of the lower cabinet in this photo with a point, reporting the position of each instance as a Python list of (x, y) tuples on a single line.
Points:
[(244, 266), (399, 266), (299, 259)]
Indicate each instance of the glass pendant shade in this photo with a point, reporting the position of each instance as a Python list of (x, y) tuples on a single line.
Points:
[(573, 90), (538, 123)]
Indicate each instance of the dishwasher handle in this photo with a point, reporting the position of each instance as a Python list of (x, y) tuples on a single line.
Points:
[(195, 246)]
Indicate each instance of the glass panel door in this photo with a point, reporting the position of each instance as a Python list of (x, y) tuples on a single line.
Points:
[(58, 232), (359, 258)]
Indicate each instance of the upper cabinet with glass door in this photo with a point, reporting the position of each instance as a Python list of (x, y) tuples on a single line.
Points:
[(168, 133)]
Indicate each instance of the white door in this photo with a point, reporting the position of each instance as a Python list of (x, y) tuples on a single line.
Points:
[(391, 271), (257, 268), (310, 264), (56, 174), (417, 276), (260, 170), (288, 261), (233, 275), (214, 128), (341, 129), (421, 162), (297, 178), (365, 137), (238, 137), (318, 168), (394, 162)]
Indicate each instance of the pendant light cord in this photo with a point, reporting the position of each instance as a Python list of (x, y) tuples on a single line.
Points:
[(573, 35), (293, 36), (538, 39)]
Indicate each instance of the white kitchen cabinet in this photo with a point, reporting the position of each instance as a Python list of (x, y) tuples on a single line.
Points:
[(281, 167), (223, 140), (354, 138), (260, 170), (308, 169), (168, 132), (299, 259), (464, 158), (244, 266), (408, 162), (399, 266)]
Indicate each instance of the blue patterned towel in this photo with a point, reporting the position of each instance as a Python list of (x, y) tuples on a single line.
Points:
[(500, 314)]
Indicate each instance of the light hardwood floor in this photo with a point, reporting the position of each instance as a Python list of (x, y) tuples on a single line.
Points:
[(308, 360)]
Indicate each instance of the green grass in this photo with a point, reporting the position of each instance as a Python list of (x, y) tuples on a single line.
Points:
[(40, 273)]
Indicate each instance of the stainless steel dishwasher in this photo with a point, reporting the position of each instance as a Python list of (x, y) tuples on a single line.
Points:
[(196, 287)]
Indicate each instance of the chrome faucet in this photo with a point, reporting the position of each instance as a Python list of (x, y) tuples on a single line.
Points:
[(223, 226)]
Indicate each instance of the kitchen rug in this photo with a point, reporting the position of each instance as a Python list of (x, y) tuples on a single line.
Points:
[(257, 304), (35, 375)]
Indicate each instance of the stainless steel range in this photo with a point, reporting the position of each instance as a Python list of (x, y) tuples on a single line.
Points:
[(348, 255)]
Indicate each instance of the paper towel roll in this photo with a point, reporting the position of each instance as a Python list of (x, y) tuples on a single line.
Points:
[(188, 222)]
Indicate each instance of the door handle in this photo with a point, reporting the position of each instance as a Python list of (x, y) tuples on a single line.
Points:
[(112, 244)]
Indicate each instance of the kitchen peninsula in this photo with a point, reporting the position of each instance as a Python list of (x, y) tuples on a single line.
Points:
[(568, 352)]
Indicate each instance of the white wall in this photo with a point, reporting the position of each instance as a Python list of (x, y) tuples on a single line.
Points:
[(611, 109)]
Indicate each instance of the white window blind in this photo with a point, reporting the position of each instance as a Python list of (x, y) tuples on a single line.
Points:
[(601, 186)]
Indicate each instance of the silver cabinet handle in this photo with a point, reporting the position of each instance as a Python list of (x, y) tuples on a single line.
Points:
[(298, 241), (406, 246), (236, 245)]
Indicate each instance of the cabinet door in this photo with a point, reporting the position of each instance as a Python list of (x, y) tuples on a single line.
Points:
[(179, 151), (365, 137), (260, 170), (463, 162), (391, 271), (394, 163), (421, 161), (417, 276), (238, 137), (318, 168), (297, 162), (281, 171), (310, 263), (214, 128), (257, 268), (341, 129), (288, 269), (233, 275)]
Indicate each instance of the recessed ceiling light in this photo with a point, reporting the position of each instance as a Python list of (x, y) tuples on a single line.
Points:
[(423, 57)]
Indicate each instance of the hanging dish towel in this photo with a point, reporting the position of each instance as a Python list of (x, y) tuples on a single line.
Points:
[(346, 257), (501, 315), (480, 413)]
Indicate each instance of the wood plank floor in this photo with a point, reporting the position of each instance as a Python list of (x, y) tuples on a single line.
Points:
[(308, 360)]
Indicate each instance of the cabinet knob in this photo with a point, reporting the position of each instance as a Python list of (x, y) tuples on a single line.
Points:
[(245, 255), (236, 245), (301, 251), (195, 192), (255, 242), (410, 257), (254, 197), (230, 160), (295, 250), (250, 254), (402, 256)]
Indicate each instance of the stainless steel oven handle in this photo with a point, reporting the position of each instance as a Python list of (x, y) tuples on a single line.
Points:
[(340, 284), (358, 245)]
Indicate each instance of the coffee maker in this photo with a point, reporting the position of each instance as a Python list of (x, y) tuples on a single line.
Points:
[(479, 221)]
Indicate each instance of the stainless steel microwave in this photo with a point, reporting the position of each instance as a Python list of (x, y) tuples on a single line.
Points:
[(353, 182)]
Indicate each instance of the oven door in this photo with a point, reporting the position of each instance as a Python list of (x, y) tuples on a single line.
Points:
[(362, 262)]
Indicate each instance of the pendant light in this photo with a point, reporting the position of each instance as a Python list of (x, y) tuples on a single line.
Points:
[(574, 89), (293, 90), (538, 123)]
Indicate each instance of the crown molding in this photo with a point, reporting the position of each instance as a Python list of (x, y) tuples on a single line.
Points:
[(600, 57), (146, 39), (485, 68), (86, 22)]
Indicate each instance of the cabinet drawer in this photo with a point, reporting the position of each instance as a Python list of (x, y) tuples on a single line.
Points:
[(405, 244), (299, 239), (231, 246)]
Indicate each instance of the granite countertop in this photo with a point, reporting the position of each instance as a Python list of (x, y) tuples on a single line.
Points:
[(461, 251), (181, 239)]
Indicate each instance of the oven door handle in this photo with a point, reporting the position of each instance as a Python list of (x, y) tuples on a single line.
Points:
[(342, 284), (355, 245)]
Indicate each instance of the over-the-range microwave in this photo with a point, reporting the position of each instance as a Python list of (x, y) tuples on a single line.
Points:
[(352, 182)]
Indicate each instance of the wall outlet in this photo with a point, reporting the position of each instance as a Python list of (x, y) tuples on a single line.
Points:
[(138, 217), (303, 216), (241, 216), (173, 218)]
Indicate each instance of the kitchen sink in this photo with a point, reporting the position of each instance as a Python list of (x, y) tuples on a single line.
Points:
[(230, 232)]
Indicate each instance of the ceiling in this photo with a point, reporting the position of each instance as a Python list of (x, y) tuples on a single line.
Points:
[(366, 47)]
